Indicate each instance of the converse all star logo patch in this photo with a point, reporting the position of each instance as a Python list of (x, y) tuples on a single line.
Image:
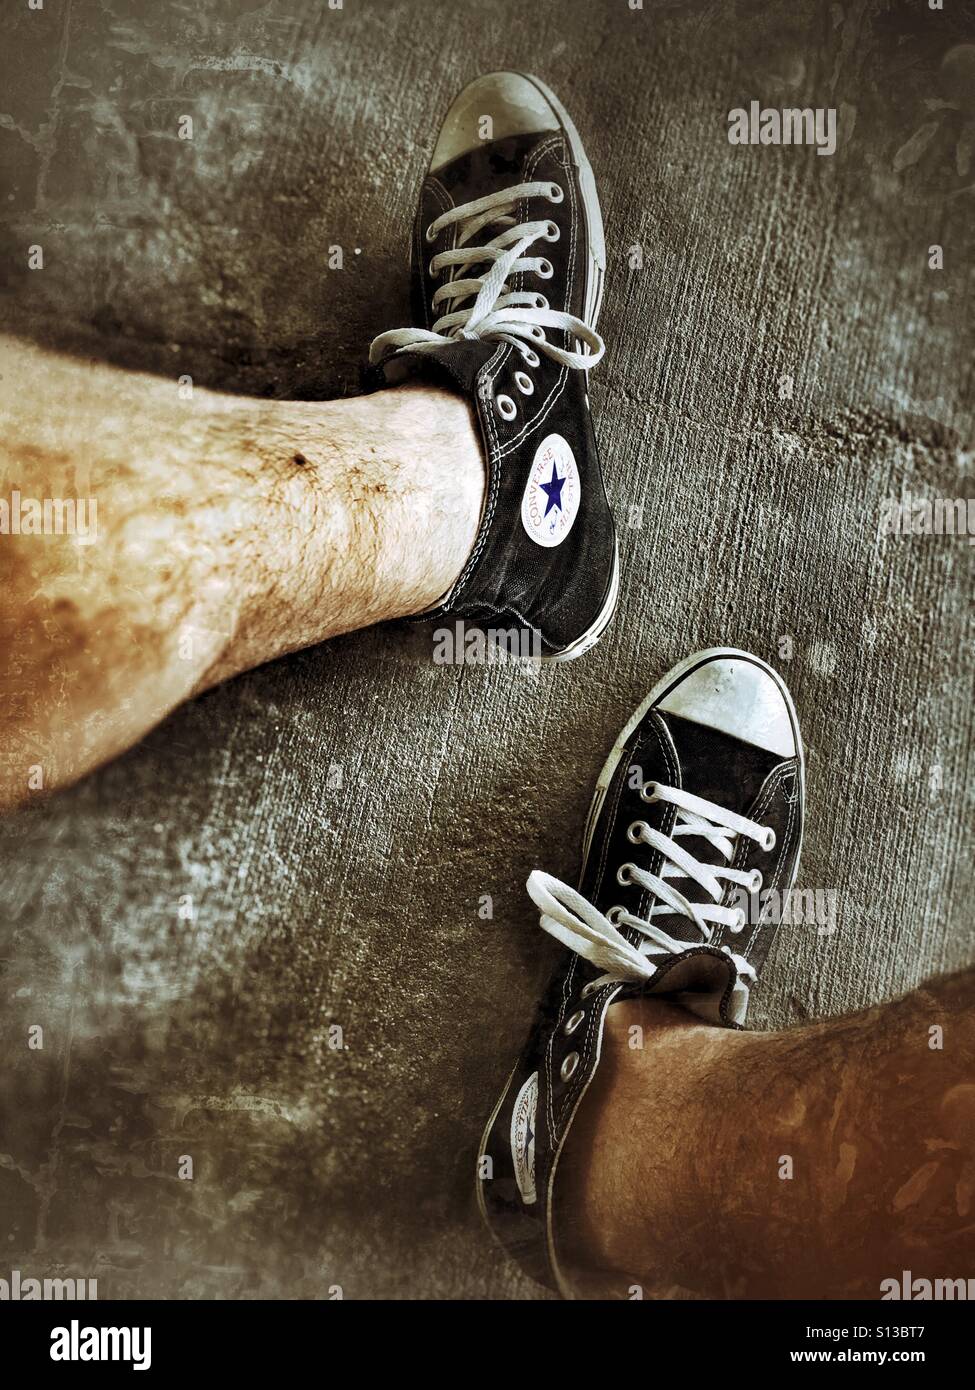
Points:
[(551, 500), (523, 1138)]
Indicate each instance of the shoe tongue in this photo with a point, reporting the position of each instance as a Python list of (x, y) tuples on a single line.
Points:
[(488, 168), (717, 768), (453, 365), (675, 924)]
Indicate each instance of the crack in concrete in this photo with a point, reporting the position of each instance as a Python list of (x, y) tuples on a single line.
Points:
[(7, 122), (48, 133)]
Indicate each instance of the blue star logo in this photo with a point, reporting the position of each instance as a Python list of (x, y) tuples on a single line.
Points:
[(553, 489)]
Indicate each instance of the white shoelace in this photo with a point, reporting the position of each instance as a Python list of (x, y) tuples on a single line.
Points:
[(573, 920), (498, 314)]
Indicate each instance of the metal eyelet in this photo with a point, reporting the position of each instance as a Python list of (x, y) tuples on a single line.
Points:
[(756, 881), (531, 357), (572, 1023), (541, 302), (739, 924), (552, 232), (430, 234), (433, 271), (648, 792), (589, 990), (506, 407), (615, 913), (769, 841), (555, 194), (619, 874), (638, 826), (542, 272), (568, 1067), (524, 383)]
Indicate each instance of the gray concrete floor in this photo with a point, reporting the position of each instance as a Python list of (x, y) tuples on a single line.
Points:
[(357, 905)]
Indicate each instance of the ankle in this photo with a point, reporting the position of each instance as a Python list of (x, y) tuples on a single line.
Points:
[(434, 437), (635, 1171), (364, 510), (401, 483)]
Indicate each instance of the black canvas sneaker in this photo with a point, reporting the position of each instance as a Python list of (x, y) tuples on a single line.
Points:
[(508, 266), (698, 810)]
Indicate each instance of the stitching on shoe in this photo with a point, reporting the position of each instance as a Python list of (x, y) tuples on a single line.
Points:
[(786, 844), (597, 883), (553, 1124), (611, 809), (585, 1059), (670, 816), (757, 809), (769, 787), (662, 735), (446, 202), (585, 1069)]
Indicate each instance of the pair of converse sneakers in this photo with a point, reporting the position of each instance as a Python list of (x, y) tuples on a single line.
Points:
[(700, 803)]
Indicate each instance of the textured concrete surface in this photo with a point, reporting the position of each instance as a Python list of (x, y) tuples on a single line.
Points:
[(335, 818)]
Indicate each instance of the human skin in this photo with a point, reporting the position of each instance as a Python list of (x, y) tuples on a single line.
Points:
[(229, 530), (810, 1163)]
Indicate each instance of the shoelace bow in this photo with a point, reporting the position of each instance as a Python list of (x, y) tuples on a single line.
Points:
[(574, 921), (498, 314)]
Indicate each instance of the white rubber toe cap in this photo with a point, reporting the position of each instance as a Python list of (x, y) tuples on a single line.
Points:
[(737, 696), (515, 106)]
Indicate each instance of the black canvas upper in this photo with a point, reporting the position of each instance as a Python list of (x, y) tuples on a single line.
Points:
[(736, 775), (510, 579)]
